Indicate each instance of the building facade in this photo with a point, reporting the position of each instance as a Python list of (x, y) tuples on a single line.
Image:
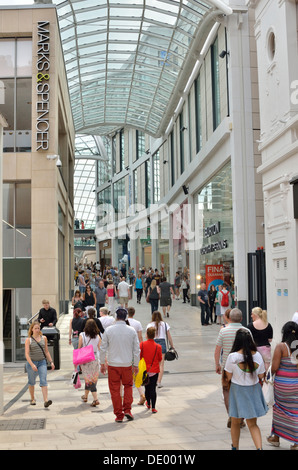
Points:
[(38, 165), (192, 199), (276, 26)]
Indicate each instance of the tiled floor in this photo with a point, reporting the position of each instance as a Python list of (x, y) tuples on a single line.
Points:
[(191, 413)]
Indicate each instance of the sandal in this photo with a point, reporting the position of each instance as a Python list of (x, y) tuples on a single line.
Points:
[(94, 403), (84, 398), (142, 400), (33, 402)]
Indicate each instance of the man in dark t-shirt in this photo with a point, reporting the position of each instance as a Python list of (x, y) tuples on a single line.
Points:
[(204, 304), (165, 296)]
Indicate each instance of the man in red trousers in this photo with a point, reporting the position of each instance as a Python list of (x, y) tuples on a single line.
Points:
[(120, 346)]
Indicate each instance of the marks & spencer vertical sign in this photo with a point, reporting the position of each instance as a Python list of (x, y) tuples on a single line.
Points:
[(43, 85)]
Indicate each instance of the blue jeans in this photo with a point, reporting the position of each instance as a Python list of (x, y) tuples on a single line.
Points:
[(154, 304), (205, 314), (41, 372)]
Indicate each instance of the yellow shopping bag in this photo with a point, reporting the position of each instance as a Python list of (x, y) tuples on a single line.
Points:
[(138, 379)]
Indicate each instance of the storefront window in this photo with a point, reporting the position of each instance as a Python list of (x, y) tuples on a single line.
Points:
[(215, 229), (16, 93), (16, 221)]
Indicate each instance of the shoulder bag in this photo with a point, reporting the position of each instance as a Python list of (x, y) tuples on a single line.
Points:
[(83, 355), (171, 353), (268, 388), (40, 348), (145, 379)]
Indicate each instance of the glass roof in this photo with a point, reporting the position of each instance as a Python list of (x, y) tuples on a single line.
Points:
[(87, 152), (127, 62)]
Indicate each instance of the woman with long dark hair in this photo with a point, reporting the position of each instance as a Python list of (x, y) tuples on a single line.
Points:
[(245, 368)]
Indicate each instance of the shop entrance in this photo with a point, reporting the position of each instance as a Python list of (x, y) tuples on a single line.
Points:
[(16, 313)]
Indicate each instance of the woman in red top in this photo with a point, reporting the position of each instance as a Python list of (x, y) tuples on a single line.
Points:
[(152, 354)]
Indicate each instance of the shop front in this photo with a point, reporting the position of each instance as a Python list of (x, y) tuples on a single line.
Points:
[(105, 254), (214, 214)]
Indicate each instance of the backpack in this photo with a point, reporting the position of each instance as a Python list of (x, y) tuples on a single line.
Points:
[(225, 299)]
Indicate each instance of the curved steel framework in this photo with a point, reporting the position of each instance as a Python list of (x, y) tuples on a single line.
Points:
[(128, 62)]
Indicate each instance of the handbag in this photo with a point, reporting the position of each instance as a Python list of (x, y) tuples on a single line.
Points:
[(78, 383), (268, 388), (145, 378), (171, 353), (83, 355)]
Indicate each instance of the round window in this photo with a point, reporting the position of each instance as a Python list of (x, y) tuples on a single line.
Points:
[(271, 45)]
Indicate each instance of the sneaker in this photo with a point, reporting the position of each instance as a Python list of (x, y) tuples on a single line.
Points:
[(119, 420), (129, 416), (273, 440), (154, 410), (47, 403), (159, 386)]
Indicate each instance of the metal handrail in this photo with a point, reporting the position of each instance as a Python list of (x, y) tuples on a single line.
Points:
[(30, 319)]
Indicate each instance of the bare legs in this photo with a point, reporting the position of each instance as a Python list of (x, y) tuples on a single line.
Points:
[(253, 429)]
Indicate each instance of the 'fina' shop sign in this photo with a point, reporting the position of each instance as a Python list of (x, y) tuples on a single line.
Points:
[(43, 86)]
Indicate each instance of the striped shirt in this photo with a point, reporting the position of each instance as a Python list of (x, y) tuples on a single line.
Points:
[(226, 339), (36, 353)]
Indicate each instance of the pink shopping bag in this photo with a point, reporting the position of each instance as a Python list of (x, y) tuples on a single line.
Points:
[(83, 355)]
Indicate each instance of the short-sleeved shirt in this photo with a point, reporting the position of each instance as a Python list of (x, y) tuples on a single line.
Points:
[(204, 295), (225, 339), (165, 289), (100, 295), (136, 324), (261, 337), (244, 377)]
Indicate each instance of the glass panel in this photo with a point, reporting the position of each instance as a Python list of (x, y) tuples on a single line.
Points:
[(7, 58), (119, 199), (7, 109), (23, 311), (215, 85), (23, 220), (23, 116), (24, 57), (156, 177), (8, 220), (160, 50), (7, 327), (214, 209)]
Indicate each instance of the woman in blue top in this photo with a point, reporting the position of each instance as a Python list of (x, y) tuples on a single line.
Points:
[(139, 287)]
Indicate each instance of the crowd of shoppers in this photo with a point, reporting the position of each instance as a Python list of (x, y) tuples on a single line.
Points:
[(242, 354)]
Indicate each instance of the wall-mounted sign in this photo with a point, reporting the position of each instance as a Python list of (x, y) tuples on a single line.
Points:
[(213, 229), (43, 86)]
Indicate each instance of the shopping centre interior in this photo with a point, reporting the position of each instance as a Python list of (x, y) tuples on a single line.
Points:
[(150, 133)]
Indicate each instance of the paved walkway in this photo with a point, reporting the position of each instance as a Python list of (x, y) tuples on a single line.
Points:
[(191, 413)]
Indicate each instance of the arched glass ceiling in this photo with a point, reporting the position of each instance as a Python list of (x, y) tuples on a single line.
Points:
[(128, 62)]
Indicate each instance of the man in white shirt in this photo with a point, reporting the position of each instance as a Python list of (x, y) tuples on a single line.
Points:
[(123, 291), (105, 318), (120, 345)]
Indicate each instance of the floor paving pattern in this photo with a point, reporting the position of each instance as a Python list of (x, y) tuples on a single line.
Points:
[(191, 414)]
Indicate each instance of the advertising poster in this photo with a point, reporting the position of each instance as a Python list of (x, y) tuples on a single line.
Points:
[(214, 275)]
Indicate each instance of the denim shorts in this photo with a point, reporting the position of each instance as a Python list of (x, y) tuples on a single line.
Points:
[(162, 342), (41, 372)]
